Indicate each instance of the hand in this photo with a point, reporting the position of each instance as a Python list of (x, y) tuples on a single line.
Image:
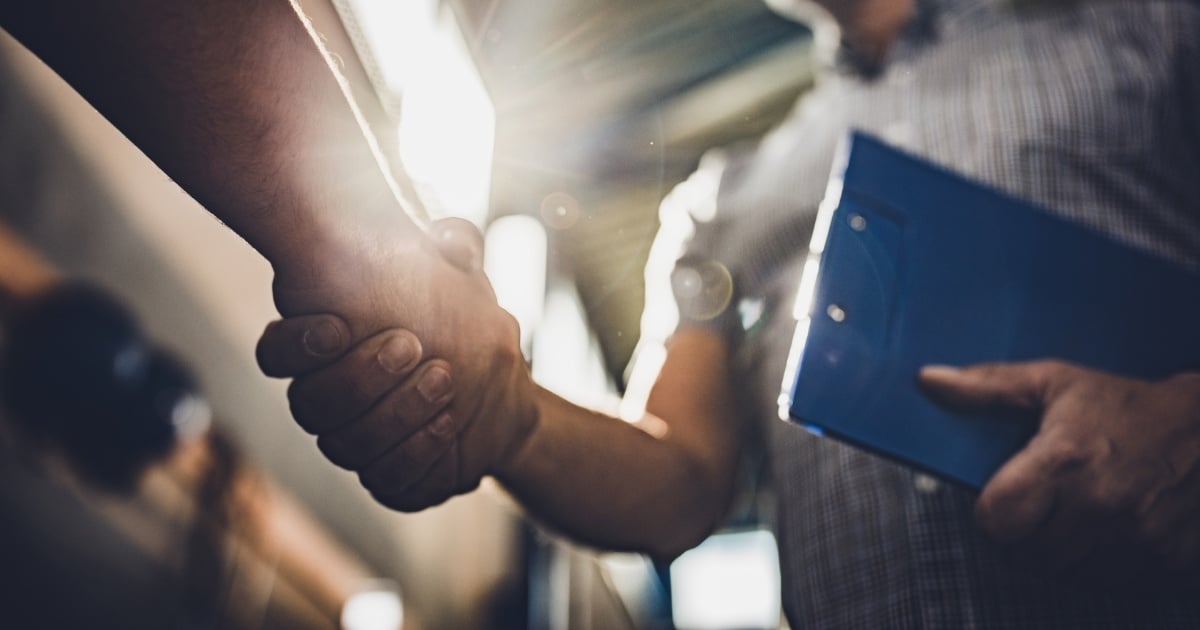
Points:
[(1115, 462), (416, 433)]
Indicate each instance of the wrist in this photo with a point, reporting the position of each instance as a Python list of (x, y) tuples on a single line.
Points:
[(531, 422), (327, 268)]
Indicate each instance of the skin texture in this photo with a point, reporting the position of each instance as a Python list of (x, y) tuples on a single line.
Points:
[(659, 486), (1114, 465), (237, 103), (658, 491)]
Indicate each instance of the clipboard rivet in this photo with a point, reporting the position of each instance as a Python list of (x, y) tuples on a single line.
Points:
[(858, 222), (836, 313)]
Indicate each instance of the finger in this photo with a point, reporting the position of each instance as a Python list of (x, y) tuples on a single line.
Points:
[(438, 485), (1070, 535), (407, 463), (298, 345), (1018, 500), (329, 397), (459, 242), (995, 386), (403, 411)]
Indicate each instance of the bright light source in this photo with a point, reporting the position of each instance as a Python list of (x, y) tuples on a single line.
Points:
[(729, 581), (447, 127), (447, 122), (566, 355), (397, 33), (514, 258), (642, 376), (375, 608)]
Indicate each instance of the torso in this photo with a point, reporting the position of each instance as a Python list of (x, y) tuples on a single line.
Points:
[(1092, 111)]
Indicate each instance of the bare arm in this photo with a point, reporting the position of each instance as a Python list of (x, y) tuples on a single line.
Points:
[(235, 101), (607, 483), (595, 478)]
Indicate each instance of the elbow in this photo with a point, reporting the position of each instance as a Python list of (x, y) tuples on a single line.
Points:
[(698, 512)]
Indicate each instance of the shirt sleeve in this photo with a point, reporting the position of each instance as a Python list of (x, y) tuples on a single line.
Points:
[(690, 274)]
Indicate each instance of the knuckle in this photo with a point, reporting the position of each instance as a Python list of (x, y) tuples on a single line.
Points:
[(401, 408), (405, 412), (1066, 454), (986, 509), (1051, 368), (996, 513), (1054, 376), (357, 389)]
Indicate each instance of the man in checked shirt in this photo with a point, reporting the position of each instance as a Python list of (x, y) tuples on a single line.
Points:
[(1089, 108)]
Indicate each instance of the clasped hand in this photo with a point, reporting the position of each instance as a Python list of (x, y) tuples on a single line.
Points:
[(1114, 468), (405, 368), (1114, 464)]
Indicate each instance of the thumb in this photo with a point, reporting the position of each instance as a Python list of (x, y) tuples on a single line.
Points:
[(994, 386), (459, 242)]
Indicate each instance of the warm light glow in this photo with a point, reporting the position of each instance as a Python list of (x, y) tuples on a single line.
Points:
[(447, 122), (729, 581), (642, 376), (396, 33), (375, 608), (447, 127), (514, 258), (566, 355)]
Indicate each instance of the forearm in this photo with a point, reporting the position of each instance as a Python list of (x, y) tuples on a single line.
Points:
[(235, 101), (605, 482)]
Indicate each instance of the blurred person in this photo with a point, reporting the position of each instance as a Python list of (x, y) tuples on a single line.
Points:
[(133, 526), (1080, 107)]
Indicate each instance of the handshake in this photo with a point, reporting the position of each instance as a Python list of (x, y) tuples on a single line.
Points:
[(410, 374), (406, 368)]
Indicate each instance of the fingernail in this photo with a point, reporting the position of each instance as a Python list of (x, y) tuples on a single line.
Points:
[(322, 339), (443, 425), (397, 353), (434, 384), (940, 372)]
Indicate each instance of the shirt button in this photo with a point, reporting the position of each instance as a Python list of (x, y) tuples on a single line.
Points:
[(926, 484)]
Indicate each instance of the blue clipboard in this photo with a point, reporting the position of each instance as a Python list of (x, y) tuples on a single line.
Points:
[(912, 265)]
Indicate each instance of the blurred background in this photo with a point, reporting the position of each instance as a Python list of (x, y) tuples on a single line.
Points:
[(558, 128)]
